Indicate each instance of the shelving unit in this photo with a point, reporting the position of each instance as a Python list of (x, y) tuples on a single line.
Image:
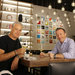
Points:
[(9, 13)]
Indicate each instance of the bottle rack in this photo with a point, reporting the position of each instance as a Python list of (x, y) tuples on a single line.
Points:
[(9, 12)]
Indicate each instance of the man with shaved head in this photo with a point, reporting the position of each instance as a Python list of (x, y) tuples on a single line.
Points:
[(11, 50)]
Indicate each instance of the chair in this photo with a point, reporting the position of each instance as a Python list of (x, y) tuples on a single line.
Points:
[(5, 72), (62, 68)]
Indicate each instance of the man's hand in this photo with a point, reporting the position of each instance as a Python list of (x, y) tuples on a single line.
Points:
[(20, 51), (51, 55), (59, 56), (42, 54)]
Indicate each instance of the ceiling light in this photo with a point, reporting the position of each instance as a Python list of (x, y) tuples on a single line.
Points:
[(69, 25), (63, 9), (36, 15), (67, 19), (59, 1), (68, 22), (65, 15), (73, 4), (73, 10), (54, 13), (42, 11), (49, 7)]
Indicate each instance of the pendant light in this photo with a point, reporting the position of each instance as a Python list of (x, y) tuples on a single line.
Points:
[(63, 9), (54, 13), (65, 15), (68, 22), (49, 7), (73, 4), (36, 15), (59, 1), (67, 19), (69, 25), (73, 10), (42, 11)]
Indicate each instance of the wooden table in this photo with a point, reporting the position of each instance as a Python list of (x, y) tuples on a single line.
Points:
[(40, 61), (43, 61)]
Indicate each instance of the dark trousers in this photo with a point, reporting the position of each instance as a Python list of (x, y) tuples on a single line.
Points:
[(45, 71), (22, 70)]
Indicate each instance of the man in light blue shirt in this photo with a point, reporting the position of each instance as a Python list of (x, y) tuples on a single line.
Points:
[(64, 48)]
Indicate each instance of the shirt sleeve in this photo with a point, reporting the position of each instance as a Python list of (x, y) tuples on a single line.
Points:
[(2, 43), (18, 44), (54, 51), (71, 50)]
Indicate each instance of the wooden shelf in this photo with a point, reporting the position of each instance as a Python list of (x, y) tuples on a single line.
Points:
[(14, 8)]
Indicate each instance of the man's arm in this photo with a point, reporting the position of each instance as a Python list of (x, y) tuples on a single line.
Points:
[(54, 51), (51, 55), (5, 56), (59, 56), (70, 53), (71, 50), (44, 54), (14, 64)]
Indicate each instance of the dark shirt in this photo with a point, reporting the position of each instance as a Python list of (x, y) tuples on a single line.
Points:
[(8, 45)]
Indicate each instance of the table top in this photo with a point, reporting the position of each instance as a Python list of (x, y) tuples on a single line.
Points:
[(43, 61)]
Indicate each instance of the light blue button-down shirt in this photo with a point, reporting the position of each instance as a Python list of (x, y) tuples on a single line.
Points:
[(67, 48)]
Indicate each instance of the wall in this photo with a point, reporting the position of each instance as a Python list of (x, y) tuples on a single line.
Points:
[(69, 30)]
